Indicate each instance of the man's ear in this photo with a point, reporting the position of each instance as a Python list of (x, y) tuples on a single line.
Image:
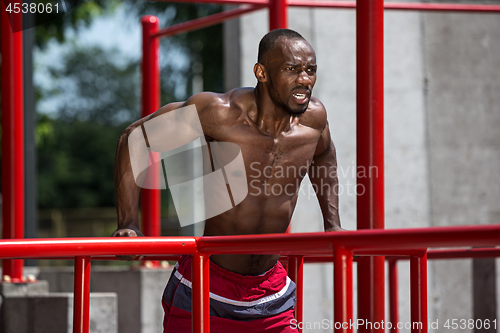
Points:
[(260, 72)]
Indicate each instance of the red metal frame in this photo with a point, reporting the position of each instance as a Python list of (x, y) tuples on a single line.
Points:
[(393, 295), (438, 7), (201, 290), (430, 7), (278, 18), (278, 14), (150, 198), (81, 297), (370, 152), (435, 254), (12, 136), (342, 286), (418, 298), (343, 245), (296, 273), (205, 21)]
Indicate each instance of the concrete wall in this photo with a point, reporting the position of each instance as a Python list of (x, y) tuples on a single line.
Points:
[(138, 291), (441, 134), (30, 308), (462, 57)]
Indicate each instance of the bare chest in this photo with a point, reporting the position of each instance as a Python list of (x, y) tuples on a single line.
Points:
[(286, 156)]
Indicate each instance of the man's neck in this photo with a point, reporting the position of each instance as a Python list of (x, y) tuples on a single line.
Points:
[(271, 118)]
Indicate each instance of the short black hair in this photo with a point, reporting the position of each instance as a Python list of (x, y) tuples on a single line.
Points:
[(269, 40)]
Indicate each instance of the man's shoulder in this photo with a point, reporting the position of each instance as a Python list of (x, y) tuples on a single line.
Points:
[(238, 98), (315, 116)]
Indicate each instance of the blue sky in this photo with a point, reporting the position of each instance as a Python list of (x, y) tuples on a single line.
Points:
[(117, 31)]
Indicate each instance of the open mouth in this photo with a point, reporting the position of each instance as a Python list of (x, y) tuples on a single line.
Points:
[(300, 98)]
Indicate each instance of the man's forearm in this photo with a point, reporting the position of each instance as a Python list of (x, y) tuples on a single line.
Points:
[(126, 191), (323, 175)]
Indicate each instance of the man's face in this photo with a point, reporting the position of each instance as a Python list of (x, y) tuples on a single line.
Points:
[(291, 72)]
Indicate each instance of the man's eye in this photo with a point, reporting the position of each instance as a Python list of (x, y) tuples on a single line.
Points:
[(311, 70), (289, 68)]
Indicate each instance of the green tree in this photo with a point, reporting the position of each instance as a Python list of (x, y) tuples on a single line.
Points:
[(98, 97), (80, 17), (202, 46), (76, 149)]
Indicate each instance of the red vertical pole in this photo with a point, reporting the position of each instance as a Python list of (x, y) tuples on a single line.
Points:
[(150, 198), (278, 19), (418, 294), (201, 296), (81, 298), (278, 14), (12, 137), (296, 274), (370, 152), (393, 295), (342, 290)]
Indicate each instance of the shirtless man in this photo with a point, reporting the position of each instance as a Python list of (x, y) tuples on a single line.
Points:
[(278, 126)]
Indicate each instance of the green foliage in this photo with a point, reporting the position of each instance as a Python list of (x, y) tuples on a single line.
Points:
[(202, 46), (92, 86), (76, 149), (98, 96), (75, 163), (79, 18)]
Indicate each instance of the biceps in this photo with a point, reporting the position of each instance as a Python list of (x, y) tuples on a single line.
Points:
[(324, 142)]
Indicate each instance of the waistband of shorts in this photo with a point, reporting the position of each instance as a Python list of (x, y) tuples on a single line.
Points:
[(238, 278)]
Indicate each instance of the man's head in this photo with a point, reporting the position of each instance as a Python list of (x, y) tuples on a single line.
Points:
[(287, 68)]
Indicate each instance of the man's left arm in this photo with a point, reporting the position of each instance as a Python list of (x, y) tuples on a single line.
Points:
[(323, 176)]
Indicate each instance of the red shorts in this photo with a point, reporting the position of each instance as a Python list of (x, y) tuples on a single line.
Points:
[(242, 304)]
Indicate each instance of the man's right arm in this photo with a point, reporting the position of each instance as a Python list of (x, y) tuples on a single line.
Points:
[(126, 190)]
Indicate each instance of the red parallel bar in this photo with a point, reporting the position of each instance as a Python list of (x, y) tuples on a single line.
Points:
[(418, 294), (392, 255), (317, 243), (13, 136), (436, 254), (444, 7), (342, 290), (150, 200), (98, 246), (278, 14), (463, 253), (296, 274), (81, 298), (370, 152), (393, 295), (377, 240), (201, 296), (223, 2), (205, 21), (401, 6)]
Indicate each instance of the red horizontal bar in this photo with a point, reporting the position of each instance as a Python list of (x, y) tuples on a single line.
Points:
[(205, 21), (352, 4), (401, 6), (463, 253), (323, 4), (71, 247), (320, 243), (222, 2), (443, 7), (381, 240), (316, 259)]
